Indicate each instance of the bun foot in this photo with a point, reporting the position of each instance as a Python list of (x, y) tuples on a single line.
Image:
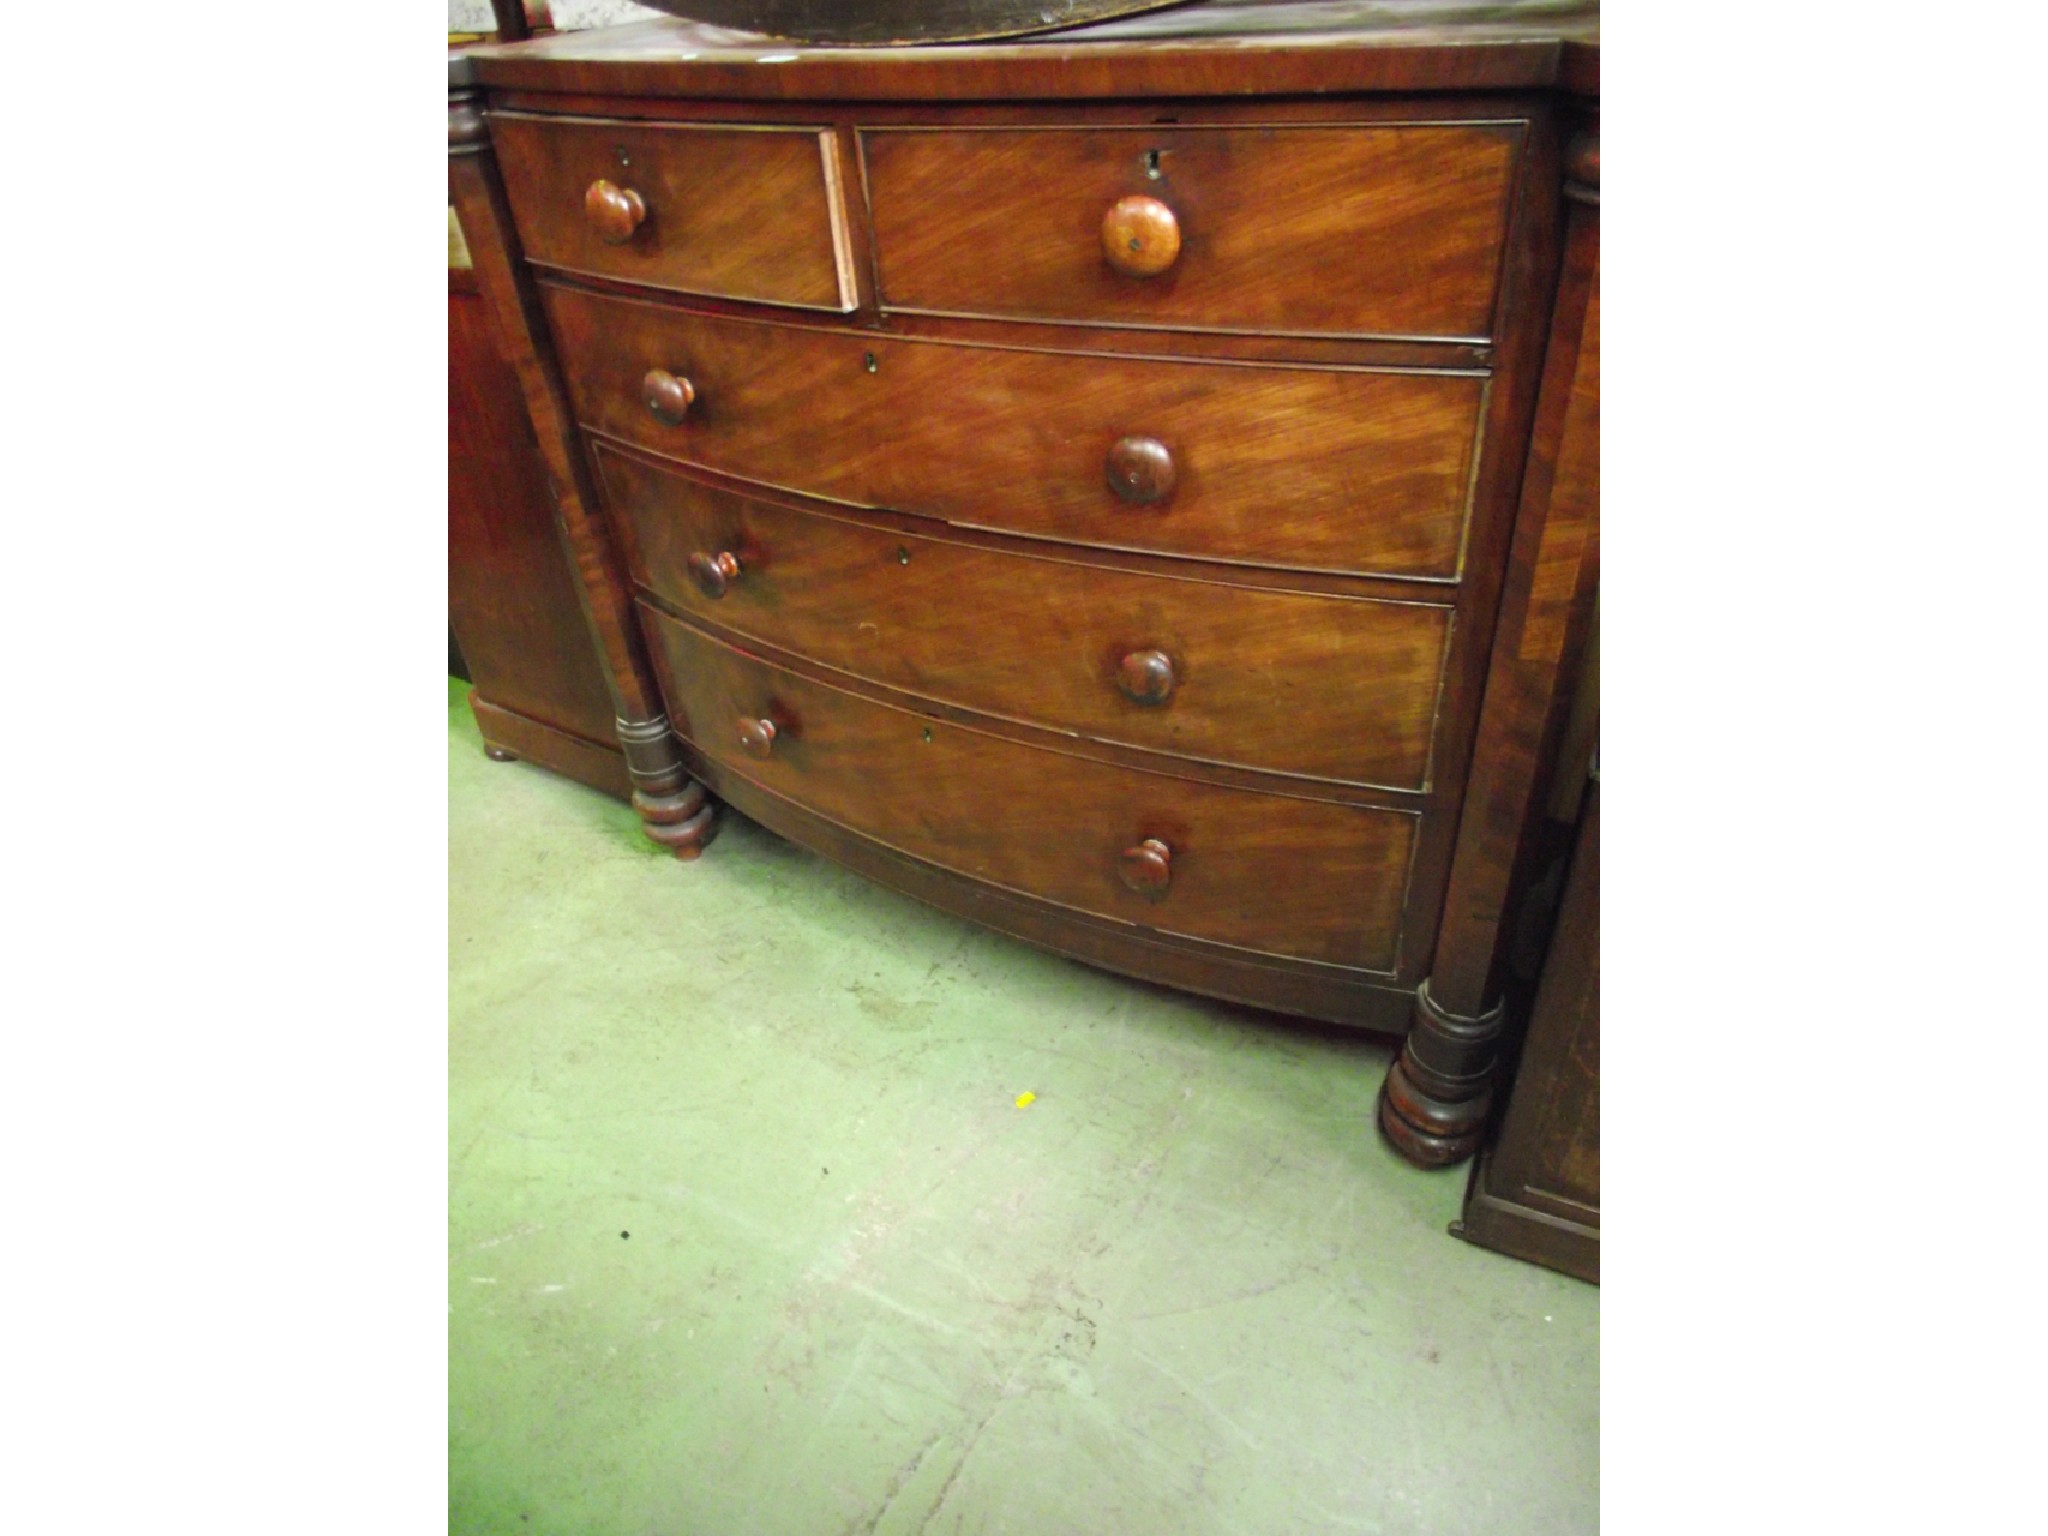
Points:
[(1428, 1132), (499, 754), (1434, 1103), (682, 822)]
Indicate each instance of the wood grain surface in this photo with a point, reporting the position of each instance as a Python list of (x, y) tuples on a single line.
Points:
[(1377, 230), (737, 212), (1320, 469), (1329, 878), (1336, 688)]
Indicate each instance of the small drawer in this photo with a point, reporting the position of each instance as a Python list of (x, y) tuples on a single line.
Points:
[(1335, 688), (1303, 879), (1336, 469), (1386, 229), (733, 212)]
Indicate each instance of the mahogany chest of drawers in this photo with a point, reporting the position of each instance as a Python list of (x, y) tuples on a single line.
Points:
[(1122, 487)]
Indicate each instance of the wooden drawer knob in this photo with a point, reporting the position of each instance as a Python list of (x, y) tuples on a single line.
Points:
[(613, 212), (1147, 868), (1139, 469), (757, 737), (667, 396), (1140, 236), (714, 573), (1146, 677)]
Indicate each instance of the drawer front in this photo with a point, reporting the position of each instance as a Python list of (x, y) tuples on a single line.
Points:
[(1380, 230), (739, 213), (1304, 879), (1221, 673), (1312, 468)]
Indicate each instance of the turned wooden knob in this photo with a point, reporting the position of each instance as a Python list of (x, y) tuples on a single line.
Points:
[(1146, 677), (1140, 236), (1139, 469), (757, 737), (714, 573), (667, 396), (1147, 868), (613, 212)]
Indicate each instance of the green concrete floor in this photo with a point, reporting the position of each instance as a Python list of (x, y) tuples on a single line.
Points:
[(1186, 1290)]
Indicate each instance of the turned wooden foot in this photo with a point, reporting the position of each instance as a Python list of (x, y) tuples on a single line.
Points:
[(1434, 1103), (499, 754), (674, 809)]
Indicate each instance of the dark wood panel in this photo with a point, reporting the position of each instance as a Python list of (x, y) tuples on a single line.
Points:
[(1364, 230), (1330, 878), (1336, 688), (741, 212), (1329, 469), (1535, 1191), (512, 598)]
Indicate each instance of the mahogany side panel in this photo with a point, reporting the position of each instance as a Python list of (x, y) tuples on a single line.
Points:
[(1380, 230), (1330, 877), (1219, 673), (511, 599), (1366, 471), (689, 201)]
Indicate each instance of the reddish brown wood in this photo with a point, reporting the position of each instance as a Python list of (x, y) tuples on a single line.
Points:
[(613, 212), (1371, 229), (1384, 488), (1146, 677), (1140, 236), (1147, 868), (995, 415), (1292, 987), (513, 737), (1376, 49), (1437, 1095), (1044, 638), (666, 397), (684, 209), (672, 808), (757, 737), (512, 602), (1140, 470), (1330, 877)]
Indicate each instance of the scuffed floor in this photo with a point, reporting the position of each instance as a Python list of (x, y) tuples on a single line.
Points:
[(749, 1235)]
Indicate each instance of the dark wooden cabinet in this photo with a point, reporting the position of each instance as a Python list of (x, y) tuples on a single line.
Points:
[(1535, 1189), (1110, 486)]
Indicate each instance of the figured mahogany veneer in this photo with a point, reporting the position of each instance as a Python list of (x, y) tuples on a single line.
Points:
[(1196, 668), (1330, 877), (1340, 469), (679, 205), (1369, 230)]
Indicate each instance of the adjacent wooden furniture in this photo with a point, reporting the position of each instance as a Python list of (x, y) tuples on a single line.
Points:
[(514, 603), (1535, 1188), (1082, 481)]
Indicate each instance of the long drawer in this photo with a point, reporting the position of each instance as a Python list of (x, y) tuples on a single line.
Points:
[(1305, 879), (1359, 229), (731, 210), (1203, 669), (1337, 469)]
